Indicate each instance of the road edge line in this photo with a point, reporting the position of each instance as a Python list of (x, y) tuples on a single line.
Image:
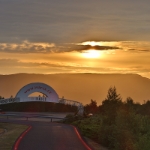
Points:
[(15, 147), (81, 139)]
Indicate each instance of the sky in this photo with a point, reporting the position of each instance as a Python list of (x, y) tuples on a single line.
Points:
[(80, 36)]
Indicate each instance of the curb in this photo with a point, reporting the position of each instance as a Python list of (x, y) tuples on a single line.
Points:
[(15, 147), (81, 138)]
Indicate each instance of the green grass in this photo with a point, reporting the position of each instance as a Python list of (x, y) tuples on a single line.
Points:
[(8, 138)]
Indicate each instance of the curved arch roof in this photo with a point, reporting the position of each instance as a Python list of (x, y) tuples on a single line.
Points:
[(47, 90)]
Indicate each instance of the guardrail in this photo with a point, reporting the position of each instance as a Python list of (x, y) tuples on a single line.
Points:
[(31, 116)]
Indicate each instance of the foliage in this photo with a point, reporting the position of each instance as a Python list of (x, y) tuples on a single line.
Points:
[(90, 126), (1, 97), (119, 125), (92, 107), (126, 132), (71, 118), (145, 108), (111, 104)]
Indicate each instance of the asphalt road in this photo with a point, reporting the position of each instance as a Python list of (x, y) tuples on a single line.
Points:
[(49, 136)]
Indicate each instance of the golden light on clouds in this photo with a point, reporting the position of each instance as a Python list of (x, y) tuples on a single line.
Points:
[(88, 57), (91, 54), (92, 43), (101, 43), (27, 46)]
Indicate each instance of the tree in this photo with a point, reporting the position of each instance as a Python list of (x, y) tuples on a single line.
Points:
[(111, 103), (129, 101), (92, 107), (112, 95), (129, 104), (1, 97)]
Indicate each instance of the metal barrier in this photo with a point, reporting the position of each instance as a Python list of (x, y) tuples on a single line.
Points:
[(33, 116), (73, 103)]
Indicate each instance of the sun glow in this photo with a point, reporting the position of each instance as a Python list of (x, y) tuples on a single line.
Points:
[(101, 43), (91, 54), (92, 43)]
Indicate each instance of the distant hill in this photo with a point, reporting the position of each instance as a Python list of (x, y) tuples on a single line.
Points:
[(81, 87)]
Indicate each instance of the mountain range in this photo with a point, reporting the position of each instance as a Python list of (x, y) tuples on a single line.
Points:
[(81, 87)]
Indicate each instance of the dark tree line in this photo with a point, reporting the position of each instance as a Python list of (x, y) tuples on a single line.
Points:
[(116, 124), (1, 97), (113, 102)]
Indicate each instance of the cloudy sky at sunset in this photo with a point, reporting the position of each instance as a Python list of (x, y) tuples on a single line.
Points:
[(80, 36)]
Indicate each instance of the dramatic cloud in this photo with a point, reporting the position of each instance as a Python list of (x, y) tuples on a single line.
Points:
[(39, 47), (135, 46), (81, 48), (139, 50), (56, 36), (27, 47)]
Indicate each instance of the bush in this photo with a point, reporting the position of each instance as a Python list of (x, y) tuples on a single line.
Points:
[(71, 118), (119, 126)]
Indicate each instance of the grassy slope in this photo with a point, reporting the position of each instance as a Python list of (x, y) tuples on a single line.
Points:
[(13, 131)]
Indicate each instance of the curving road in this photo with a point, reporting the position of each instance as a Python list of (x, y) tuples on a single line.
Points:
[(49, 136)]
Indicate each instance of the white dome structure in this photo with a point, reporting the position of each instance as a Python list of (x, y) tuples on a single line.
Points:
[(49, 92)]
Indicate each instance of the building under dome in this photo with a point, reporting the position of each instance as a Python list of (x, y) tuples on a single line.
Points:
[(49, 95)]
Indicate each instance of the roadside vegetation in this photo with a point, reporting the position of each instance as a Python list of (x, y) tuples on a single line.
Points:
[(116, 124), (9, 134), (1, 97)]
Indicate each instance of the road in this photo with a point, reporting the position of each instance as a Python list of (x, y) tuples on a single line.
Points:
[(49, 136)]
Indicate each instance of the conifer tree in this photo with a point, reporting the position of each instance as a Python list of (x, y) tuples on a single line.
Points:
[(111, 103)]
